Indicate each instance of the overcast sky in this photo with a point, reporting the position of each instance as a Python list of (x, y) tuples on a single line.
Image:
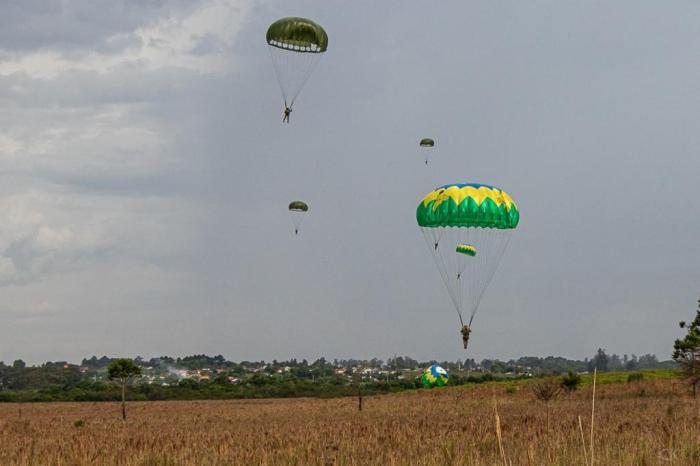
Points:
[(145, 175)]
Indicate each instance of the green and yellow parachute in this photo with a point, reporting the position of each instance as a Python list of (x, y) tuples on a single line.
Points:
[(434, 376), (467, 249), (457, 220)]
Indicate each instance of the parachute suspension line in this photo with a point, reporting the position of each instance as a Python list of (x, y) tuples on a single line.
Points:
[(466, 277), (296, 218), (497, 243), (293, 70), (278, 75), (432, 236), (309, 69)]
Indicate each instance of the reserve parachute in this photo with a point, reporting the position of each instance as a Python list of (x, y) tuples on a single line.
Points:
[(467, 228), (467, 249), (434, 376), (297, 210), (296, 45)]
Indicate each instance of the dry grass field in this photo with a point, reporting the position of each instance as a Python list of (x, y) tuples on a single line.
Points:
[(651, 422)]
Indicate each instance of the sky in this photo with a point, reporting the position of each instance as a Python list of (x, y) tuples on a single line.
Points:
[(145, 175)]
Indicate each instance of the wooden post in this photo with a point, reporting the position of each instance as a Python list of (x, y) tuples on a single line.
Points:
[(124, 400)]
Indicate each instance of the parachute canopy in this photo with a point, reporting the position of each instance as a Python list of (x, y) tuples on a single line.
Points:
[(298, 206), (475, 217), (297, 211), (468, 205), (426, 146), (295, 45), (467, 249), (297, 34), (434, 376)]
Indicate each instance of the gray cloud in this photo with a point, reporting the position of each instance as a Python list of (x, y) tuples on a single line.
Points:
[(169, 146), (79, 24)]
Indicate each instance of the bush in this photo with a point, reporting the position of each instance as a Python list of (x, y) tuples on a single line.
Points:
[(571, 381), (547, 390), (635, 377)]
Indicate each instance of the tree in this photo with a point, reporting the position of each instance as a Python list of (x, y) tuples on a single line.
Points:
[(600, 361), (123, 372), (546, 391), (570, 381), (686, 352)]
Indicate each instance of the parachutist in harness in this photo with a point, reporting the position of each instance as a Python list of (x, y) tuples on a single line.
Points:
[(436, 245), (287, 112), (465, 335), (296, 231), (459, 275)]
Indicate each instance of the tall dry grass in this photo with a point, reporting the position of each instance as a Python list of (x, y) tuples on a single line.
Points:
[(644, 423)]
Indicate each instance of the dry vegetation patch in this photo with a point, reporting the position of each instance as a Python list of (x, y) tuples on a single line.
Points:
[(642, 423)]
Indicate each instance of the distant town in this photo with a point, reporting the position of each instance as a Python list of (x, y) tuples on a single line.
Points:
[(196, 370)]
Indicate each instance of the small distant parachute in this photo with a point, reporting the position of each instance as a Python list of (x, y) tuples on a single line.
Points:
[(296, 45), (426, 145), (467, 249), (297, 209), (434, 376)]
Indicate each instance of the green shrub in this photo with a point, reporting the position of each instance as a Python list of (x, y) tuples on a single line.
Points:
[(571, 381)]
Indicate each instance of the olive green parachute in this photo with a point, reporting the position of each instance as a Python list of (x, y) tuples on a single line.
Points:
[(426, 146), (297, 34), (298, 206), (467, 249), (297, 210), (475, 217), (295, 45)]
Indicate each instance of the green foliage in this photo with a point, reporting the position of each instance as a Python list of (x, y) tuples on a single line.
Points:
[(635, 377), (686, 352), (570, 381), (79, 423), (123, 369)]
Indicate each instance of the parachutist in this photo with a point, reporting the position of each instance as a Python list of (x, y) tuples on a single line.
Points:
[(465, 335), (297, 209), (287, 112), (436, 245), (459, 276)]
